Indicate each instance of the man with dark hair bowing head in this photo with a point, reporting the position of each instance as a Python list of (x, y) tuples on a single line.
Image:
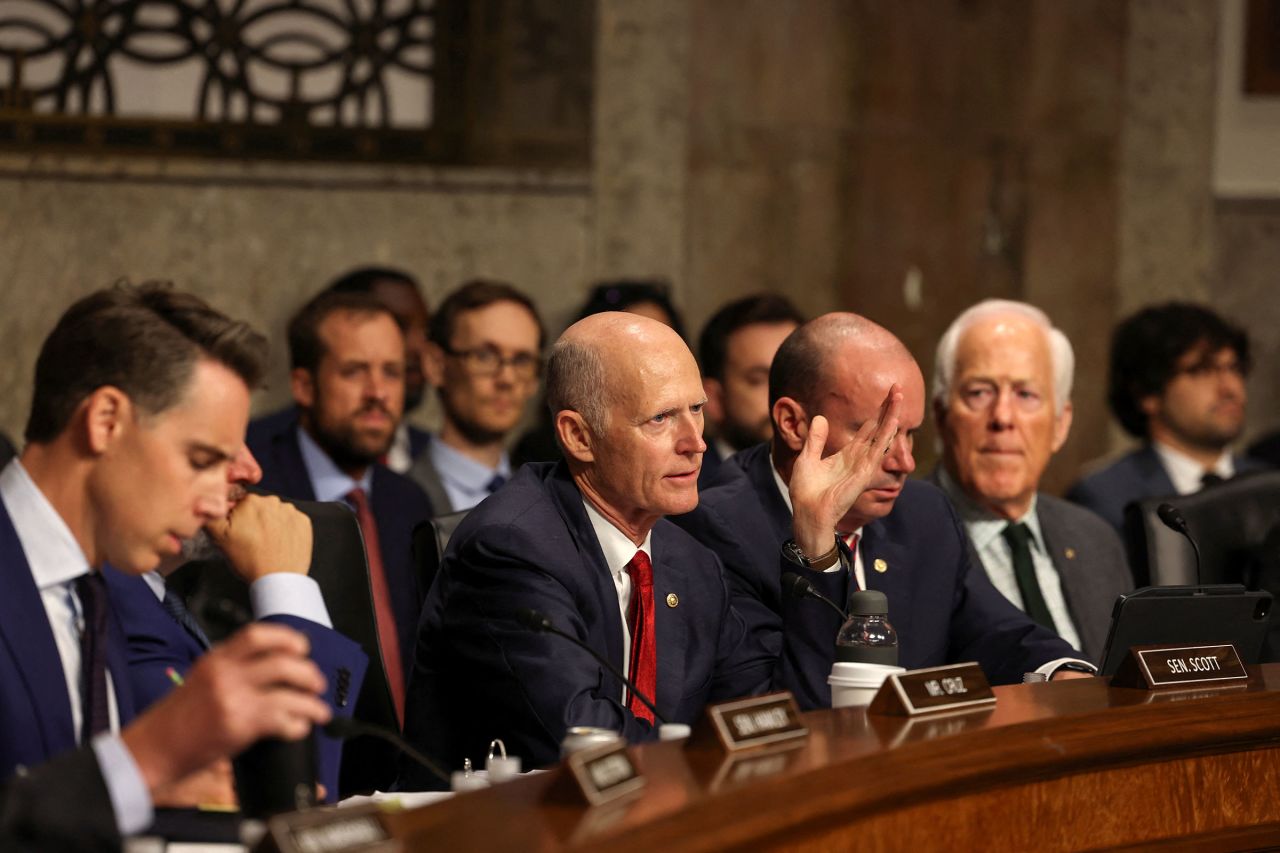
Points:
[(584, 542), (141, 401), (828, 380)]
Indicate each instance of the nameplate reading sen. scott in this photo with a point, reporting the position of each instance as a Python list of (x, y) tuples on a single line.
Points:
[(1151, 667), (758, 721), (958, 687), (604, 773)]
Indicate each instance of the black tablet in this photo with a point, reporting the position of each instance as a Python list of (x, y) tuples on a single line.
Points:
[(1192, 615)]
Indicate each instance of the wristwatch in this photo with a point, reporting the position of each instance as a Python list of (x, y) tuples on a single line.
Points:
[(819, 564), (1074, 666)]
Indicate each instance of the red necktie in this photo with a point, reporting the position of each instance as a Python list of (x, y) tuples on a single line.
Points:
[(388, 636), (851, 540), (644, 646)]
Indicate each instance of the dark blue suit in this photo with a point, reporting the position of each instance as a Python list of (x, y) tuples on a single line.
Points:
[(478, 675), (398, 506), (1131, 478), (943, 609), (157, 643), (35, 710)]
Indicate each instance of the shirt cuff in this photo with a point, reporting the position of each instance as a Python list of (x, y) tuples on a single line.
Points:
[(1048, 669), (130, 799), (288, 594)]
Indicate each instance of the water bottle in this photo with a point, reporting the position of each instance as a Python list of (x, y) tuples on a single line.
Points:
[(867, 636)]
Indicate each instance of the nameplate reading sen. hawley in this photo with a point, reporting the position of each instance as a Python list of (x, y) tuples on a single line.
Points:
[(758, 721), (958, 687)]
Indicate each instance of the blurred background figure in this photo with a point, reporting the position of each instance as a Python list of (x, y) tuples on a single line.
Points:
[(1177, 382), (483, 359), (734, 353)]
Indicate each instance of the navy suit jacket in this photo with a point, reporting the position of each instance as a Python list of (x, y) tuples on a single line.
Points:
[(62, 805), (944, 610), (1131, 478), (157, 643), (398, 506), (479, 675), (35, 710)]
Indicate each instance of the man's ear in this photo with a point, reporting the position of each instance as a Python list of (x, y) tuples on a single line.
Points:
[(106, 414), (576, 439), (433, 364), (714, 410), (790, 423), (303, 387), (1062, 426)]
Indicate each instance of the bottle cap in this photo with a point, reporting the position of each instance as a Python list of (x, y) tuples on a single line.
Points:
[(868, 602)]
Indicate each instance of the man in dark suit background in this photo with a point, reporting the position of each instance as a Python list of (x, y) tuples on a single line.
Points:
[(268, 544), (833, 381), (585, 542), (1177, 382), (347, 357), (1002, 403), (735, 350), (133, 385)]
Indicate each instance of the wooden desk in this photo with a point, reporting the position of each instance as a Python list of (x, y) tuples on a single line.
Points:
[(1063, 766)]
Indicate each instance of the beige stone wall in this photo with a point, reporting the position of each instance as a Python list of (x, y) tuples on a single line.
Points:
[(258, 240)]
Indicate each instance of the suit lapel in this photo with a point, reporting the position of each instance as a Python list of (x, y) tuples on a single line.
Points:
[(1058, 542), (755, 462), (895, 580), (1151, 470), (293, 471), (26, 631), (568, 501), (670, 627)]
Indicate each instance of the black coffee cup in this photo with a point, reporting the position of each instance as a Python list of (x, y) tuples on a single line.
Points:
[(275, 776)]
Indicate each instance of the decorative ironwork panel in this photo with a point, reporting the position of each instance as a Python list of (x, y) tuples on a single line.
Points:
[(330, 79)]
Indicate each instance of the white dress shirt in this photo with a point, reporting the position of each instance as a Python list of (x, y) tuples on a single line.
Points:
[(618, 549), (1187, 474), (56, 562)]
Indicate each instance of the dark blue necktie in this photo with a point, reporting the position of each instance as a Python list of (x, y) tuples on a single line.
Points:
[(92, 591), (175, 607), (496, 483)]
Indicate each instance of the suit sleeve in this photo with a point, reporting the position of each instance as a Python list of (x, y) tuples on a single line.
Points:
[(62, 805)]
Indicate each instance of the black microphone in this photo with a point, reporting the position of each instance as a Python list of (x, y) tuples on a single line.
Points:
[(345, 727), (798, 587), (540, 623), (1173, 520)]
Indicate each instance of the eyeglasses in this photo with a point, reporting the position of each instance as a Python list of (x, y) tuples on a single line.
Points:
[(487, 361), (1207, 368)]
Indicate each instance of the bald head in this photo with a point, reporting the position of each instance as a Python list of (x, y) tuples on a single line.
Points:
[(626, 398), (805, 361)]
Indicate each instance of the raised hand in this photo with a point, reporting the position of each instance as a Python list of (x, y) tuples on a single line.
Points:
[(823, 490), (263, 534)]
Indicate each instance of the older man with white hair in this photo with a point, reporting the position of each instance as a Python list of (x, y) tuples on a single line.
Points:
[(1002, 402)]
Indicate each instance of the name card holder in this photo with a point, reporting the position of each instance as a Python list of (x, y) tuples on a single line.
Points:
[(1171, 665), (329, 830), (605, 773), (958, 687), (757, 721)]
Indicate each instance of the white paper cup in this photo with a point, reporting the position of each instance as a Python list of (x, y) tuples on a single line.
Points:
[(673, 731), (856, 684)]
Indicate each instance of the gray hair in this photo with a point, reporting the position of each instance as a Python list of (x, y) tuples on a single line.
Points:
[(1061, 355), (576, 381)]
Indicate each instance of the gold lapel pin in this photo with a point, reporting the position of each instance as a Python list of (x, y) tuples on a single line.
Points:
[(1070, 553), (672, 599), (881, 566)]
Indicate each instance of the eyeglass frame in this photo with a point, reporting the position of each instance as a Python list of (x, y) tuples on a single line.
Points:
[(471, 358)]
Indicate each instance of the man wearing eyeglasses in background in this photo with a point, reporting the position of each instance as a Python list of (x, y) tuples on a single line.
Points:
[(1177, 382), (484, 359)]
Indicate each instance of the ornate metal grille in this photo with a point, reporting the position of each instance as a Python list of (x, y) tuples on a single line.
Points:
[(329, 79)]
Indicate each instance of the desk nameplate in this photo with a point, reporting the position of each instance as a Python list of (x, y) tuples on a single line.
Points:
[(604, 773), (958, 687), (758, 721), (1169, 665)]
